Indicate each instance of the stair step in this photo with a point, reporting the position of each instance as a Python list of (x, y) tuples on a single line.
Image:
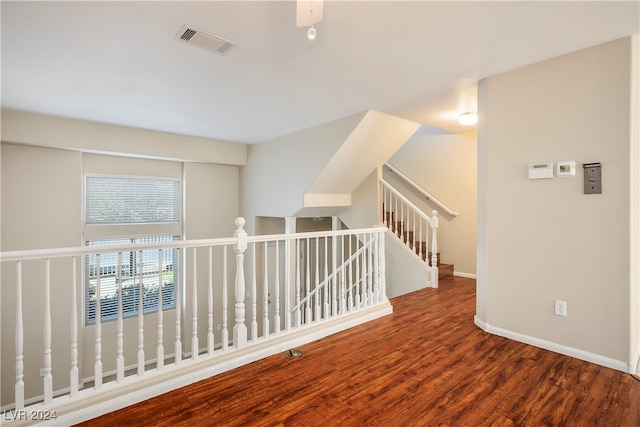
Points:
[(445, 270)]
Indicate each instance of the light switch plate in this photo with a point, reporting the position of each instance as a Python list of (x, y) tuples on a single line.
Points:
[(592, 178)]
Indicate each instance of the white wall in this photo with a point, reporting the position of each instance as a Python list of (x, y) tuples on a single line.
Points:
[(542, 240), (41, 207), (58, 132), (445, 165)]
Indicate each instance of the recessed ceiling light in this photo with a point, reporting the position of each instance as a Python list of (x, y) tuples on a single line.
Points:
[(468, 119)]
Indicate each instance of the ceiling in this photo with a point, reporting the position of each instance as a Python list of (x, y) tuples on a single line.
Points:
[(121, 62)]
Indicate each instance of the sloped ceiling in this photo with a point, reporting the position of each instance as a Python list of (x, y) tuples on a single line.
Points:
[(121, 63)]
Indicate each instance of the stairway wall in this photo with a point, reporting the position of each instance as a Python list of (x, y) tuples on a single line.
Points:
[(404, 273), (316, 172), (278, 171)]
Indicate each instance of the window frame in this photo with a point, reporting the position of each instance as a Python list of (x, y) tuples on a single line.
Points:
[(130, 231)]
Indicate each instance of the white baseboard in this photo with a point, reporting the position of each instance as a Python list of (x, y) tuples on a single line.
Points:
[(555, 347), (465, 275), (634, 367)]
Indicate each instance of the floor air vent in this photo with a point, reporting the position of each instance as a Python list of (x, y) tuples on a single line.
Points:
[(205, 40), (293, 353)]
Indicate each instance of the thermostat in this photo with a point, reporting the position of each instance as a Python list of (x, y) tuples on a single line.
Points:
[(566, 169), (541, 170)]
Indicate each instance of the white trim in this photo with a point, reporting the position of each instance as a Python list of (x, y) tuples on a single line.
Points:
[(555, 347), (115, 396), (465, 275), (313, 200), (634, 366)]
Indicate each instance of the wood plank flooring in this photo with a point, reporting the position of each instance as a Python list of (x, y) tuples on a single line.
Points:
[(427, 364)]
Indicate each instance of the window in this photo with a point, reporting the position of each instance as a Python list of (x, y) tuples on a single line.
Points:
[(131, 200), (146, 210)]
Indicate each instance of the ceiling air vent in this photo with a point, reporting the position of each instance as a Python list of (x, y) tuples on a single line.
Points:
[(206, 40)]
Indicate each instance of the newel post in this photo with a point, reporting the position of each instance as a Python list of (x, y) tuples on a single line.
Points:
[(240, 329), (434, 248)]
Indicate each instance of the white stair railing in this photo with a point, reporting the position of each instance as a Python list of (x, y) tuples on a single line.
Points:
[(412, 226), (364, 289), (147, 347)]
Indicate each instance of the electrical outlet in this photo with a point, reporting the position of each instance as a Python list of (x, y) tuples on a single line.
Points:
[(561, 308), (42, 372), (218, 327)]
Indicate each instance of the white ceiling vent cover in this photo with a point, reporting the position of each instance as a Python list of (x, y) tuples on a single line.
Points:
[(206, 40)]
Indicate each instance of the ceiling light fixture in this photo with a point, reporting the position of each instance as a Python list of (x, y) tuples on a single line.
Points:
[(468, 119), (311, 33), (309, 13)]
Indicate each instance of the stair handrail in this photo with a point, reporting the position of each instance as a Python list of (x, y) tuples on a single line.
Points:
[(418, 211), (421, 190)]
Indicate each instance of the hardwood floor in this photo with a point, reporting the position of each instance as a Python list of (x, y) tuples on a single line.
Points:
[(427, 364)]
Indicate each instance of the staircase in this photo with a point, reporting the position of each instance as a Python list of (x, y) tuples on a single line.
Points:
[(419, 246)]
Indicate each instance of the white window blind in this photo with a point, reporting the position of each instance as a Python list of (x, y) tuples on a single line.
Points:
[(131, 200), (122, 274)]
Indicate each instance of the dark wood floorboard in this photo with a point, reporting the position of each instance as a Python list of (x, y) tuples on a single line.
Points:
[(427, 364)]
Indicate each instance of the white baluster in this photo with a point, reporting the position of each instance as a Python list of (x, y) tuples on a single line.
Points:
[(350, 277), (375, 295), (120, 327), (385, 206), (413, 234), (307, 287), (287, 284), (298, 284), (370, 270), (317, 281), (396, 217), (381, 289), (19, 341), (225, 302), (194, 308), (334, 265), (160, 328), (326, 275), (289, 271), (73, 375), (97, 366), (254, 296), (210, 339), (140, 315), (359, 285), (434, 249), (420, 241), (265, 293), (178, 346), (343, 297), (365, 268), (240, 329), (48, 378), (276, 292)]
